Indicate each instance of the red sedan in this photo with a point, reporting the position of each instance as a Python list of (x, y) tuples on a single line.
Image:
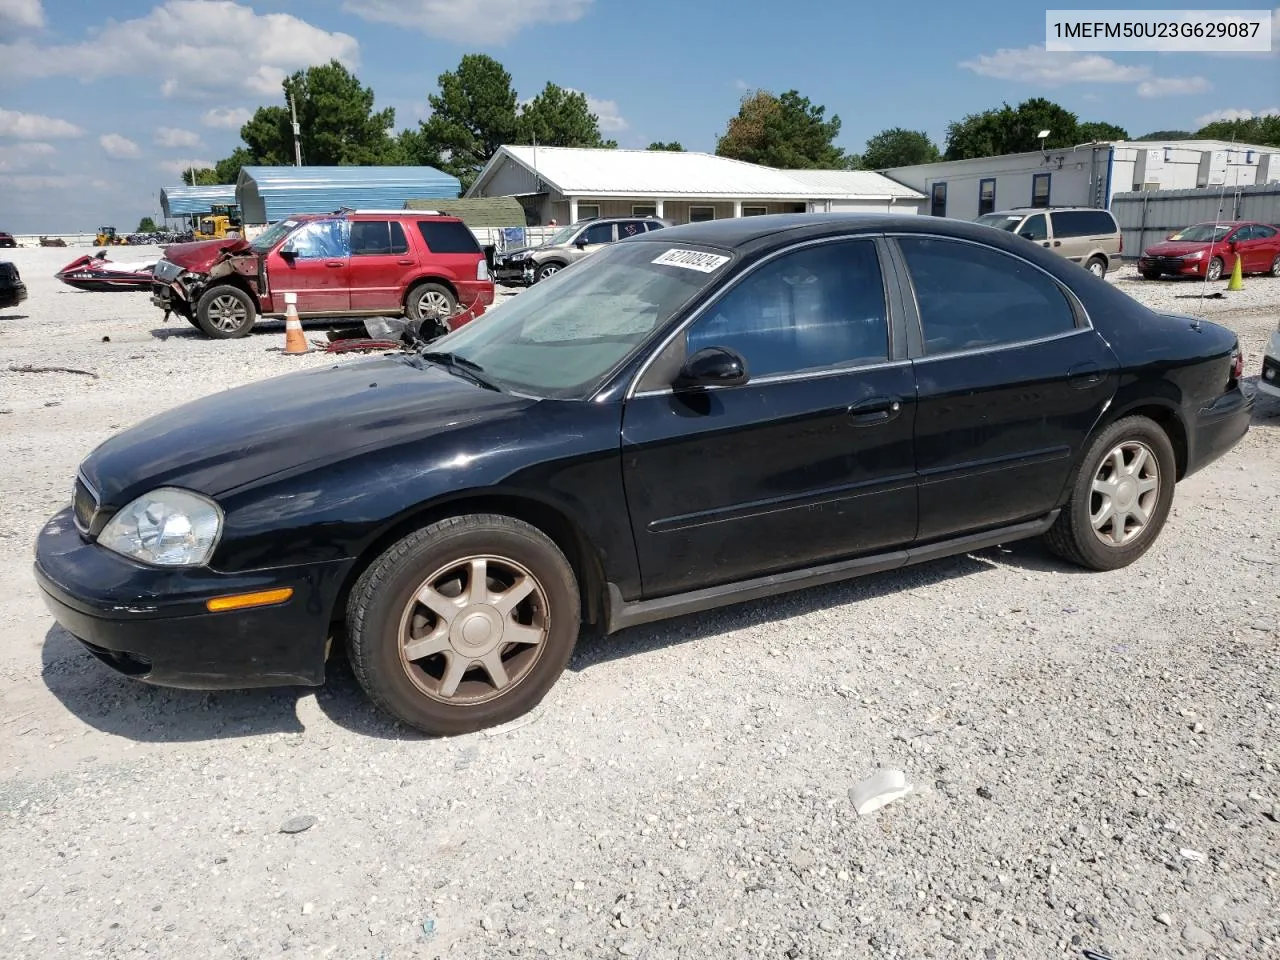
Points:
[(1210, 250)]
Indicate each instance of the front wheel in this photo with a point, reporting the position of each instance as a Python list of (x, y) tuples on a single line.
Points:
[(226, 313), (1215, 269), (1120, 497), (548, 270), (1275, 267), (464, 624)]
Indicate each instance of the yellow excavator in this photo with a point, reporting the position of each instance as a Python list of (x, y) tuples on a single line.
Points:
[(107, 237), (221, 222)]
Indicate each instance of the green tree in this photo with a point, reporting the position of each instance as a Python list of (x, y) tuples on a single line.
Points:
[(471, 117), (897, 147), (1100, 130), (204, 177), (557, 117), (339, 124), (1264, 131), (675, 146), (268, 137), (146, 225), (1009, 129), (1166, 135), (788, 132), (228, 168)]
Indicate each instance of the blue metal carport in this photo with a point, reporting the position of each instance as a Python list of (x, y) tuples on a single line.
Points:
[(268, 194)]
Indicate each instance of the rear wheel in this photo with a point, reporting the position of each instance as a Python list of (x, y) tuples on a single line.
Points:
[(431, 304), (464, 624), (1120, 497), (225, 313), (1215, 269), (1097, 266)]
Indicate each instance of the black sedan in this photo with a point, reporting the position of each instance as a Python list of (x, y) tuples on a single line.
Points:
[(12, 290), (703, 415)]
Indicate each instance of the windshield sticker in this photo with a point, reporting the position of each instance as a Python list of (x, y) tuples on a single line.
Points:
[(692, 260)]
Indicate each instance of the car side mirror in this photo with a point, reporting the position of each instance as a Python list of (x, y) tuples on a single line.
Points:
[(1027, 235), (712, 367), (580, 243), (288, 251)]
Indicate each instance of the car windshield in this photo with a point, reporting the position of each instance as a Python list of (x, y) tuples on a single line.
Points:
[(272, 235), (562, 236), (564, 335), (1203, 232), (1001, 221)]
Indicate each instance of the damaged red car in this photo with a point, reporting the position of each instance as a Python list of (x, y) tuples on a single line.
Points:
[(424, 266)]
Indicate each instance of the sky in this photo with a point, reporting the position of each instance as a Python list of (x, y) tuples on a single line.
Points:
[(102, 104)]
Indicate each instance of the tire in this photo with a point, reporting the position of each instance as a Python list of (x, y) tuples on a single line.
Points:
[(549, 270), (1097, 266), (1275, 268), (1215, 269), (226, 313), (431, 304), (386, 619), (1076, 537), (1148, 275)]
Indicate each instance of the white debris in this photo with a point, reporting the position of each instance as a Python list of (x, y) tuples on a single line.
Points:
[(882, 787), (1195, 856)]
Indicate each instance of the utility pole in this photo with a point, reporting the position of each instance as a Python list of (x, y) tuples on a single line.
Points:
[(297, 132)]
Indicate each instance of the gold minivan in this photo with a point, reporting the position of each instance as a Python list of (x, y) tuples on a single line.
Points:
[(1084, 235)]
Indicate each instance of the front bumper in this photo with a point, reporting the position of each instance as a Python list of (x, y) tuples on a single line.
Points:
[(1174, 266), (1218, 427), (1269, 380), (517, 271), (152, 624)]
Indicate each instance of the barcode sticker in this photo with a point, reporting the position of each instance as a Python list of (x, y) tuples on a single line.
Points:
[(693, 260)]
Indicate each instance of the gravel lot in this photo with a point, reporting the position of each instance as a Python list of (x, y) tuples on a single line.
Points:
[(1094, 756)]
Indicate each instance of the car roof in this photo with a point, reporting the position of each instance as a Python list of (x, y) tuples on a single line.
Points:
[(1024, 210)]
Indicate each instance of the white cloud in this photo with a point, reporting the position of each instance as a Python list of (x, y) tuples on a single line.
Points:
[(469, 21), (1173, 86), (118, 147), (34, 126), (1035, 64), (226, 118), (1233, 114), (173, 137), (44, 182), (606, 111), (26, 157), (742, 85), (177, 168), (199, 41), (23, 14)]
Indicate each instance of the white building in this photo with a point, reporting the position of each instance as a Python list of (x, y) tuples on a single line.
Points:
[(571, 184), (1088, 175)]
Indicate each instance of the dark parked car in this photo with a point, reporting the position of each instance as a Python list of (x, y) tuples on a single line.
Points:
[(691, 417), (12, 290), (7, 240)]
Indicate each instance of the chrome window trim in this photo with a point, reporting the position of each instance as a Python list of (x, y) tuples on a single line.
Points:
[(1077, 308), (789, 377), (724, 292), (1003, 346)]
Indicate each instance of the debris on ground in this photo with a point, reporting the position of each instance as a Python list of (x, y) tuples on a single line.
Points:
[(28, 368), (882, 787), (298, 824)]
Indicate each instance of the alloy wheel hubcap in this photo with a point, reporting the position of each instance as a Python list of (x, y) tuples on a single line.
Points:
[(1215, 270), (1125, 490), (433, 304), (548, 271), (1095, 268), (473, 630), (227, 313)]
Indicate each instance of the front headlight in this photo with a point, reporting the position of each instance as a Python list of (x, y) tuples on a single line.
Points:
[(1198, 255), (167, 527)]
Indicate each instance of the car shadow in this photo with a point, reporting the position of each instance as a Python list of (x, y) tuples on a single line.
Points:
[(13, 316), (270, 327)]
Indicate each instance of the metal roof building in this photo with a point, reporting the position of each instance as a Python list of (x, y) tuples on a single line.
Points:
[(268, 194), (571, 184), (189, 201)]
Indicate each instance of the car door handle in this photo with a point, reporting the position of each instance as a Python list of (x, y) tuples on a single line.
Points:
[(874, 410), (334, 263), (405, 262), (1045, 244), (1057, 243), (1085, 375)]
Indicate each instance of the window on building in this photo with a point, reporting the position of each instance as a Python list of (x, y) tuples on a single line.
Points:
[(644, 209), (701, 214), (1040, 190), (1082, 223), (971, 296), (588, 211), (986, 196), (938, 200), (808, 310), (754, 211), (448, 236)]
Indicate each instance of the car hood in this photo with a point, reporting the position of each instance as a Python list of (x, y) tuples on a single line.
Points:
[(198, 257), (1177, 248), (229, 439)]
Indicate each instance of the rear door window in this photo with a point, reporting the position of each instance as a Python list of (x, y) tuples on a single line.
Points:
[(448, 236), (1082, 223), (630, 228), (371, 238)]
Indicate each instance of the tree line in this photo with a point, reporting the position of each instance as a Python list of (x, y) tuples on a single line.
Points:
[(476, 110)]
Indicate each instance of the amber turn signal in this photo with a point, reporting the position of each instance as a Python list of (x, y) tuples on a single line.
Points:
[(239, 601)]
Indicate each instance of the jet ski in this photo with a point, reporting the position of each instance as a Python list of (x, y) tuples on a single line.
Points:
[(98, 273)]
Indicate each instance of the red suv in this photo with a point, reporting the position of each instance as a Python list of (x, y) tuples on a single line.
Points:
[(351, 263)]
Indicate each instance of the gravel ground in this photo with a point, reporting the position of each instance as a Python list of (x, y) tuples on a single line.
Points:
[(1094, 756)]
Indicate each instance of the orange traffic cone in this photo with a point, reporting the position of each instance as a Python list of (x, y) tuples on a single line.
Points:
[(294, 341)]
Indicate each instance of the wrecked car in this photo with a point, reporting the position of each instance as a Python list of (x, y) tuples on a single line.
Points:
[(416, 264)]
